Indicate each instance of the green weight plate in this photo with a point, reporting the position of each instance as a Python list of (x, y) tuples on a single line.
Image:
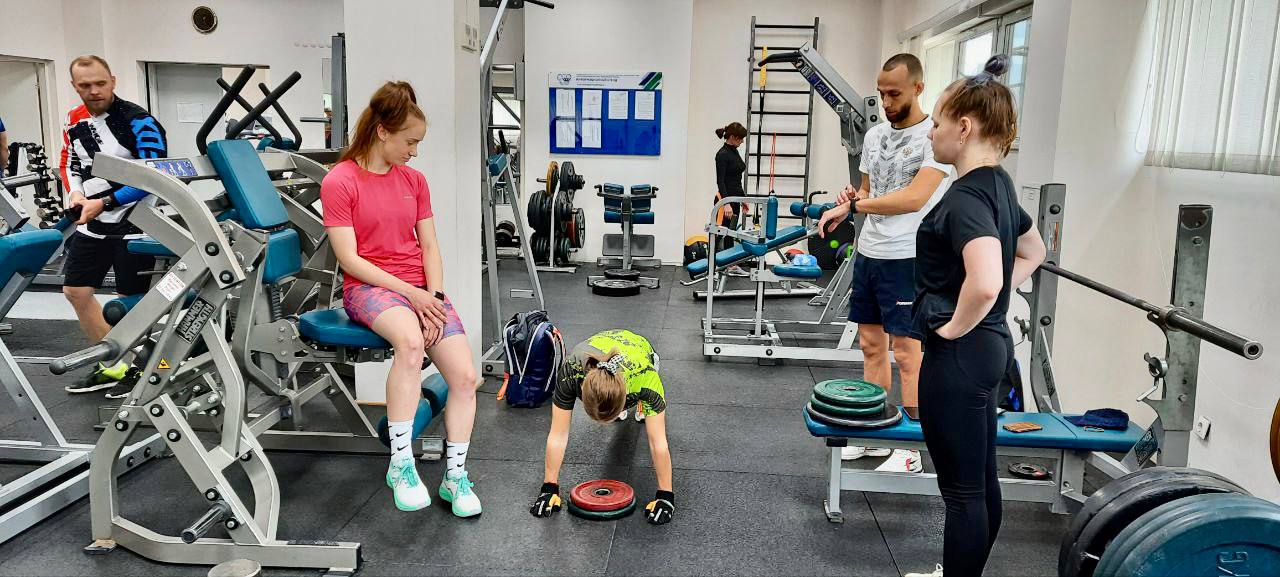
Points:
[(848, 393), (1126, 499), (849, 412), (1222, 534), (601, 515)]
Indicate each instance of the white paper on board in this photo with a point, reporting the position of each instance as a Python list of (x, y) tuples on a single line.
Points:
[(191, 112), (565, 106), (592, 101), (591, 134), (645, 101), (618, 104), (566, 133)]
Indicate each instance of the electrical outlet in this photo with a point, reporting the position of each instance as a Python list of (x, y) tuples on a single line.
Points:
[(1202, 428)]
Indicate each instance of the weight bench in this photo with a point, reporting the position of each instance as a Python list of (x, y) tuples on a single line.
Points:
[(746, 250), (1067, 445)]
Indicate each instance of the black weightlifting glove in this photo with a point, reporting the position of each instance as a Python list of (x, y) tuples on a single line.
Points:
[(661, 508), (548, 501)]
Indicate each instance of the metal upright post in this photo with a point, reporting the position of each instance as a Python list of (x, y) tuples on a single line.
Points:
[(1176, 407), (1043, 299), (338, 91)]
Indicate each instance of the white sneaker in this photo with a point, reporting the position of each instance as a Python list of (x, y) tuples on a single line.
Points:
[(455, 488), (851, 453), (737, 271), (902, 461), (406, 488), (937, 572)]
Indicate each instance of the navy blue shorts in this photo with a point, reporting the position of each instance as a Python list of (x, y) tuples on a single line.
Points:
[(883, 291)]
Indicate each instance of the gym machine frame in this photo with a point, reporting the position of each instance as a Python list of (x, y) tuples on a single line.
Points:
[(763, 338), (493, 360), (62, 475), (1175, 376)]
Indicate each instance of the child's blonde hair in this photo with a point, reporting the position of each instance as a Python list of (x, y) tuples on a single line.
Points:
[(604, 392)]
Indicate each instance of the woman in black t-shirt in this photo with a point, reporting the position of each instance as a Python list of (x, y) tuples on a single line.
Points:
[(972, 248), (729, 169)]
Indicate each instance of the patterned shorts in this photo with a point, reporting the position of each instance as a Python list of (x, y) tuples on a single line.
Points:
[(364, 303)]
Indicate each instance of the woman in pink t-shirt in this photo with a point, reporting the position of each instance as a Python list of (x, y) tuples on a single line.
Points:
[(377, 212)]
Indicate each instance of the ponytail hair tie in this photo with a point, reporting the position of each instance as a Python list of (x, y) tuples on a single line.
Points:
[(613, 366)]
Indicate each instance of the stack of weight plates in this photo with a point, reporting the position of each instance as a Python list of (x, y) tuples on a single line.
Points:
[(602, 500), (857, 404)]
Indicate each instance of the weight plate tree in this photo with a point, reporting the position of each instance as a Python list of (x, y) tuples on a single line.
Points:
[(559, 228)]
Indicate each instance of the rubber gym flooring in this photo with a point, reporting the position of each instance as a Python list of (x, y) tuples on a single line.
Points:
[(749, 480)]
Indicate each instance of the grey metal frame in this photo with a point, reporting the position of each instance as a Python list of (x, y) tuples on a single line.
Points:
[(493, 360), (62, 473)]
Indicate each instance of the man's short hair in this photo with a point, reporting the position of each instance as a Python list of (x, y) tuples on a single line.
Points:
[(88, 60), (914, 70)]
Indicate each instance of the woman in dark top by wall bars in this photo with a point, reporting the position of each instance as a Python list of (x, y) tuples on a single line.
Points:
[(971, 249), (729, 169)]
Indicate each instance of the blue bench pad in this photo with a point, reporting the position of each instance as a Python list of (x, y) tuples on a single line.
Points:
[(615, 217), (333, 327), (26, 252), (1056, 434), (797, 271), (739, 252)]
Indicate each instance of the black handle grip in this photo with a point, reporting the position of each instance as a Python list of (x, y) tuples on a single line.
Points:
[(216, 514), (792, 56), (245, 105), (94, 354), (69, 218), (297, 135), (542, 3), (266, 101), (202, 137)]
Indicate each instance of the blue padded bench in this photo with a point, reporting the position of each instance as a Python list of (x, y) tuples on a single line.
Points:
[(743, 251), (1067, 445), (26, 252), (333, 327)]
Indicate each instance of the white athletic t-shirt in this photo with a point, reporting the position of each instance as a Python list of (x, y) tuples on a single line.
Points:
[(892, 157)]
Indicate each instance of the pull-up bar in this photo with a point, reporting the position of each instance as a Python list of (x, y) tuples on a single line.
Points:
[(1168, 317)]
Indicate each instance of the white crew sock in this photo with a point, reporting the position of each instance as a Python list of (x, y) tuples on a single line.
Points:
[(401, 433), (456, 456)]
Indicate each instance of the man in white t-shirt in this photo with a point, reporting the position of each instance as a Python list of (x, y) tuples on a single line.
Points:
[(900, 183)]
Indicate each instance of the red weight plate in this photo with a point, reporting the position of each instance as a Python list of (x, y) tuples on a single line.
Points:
[(602, 495)]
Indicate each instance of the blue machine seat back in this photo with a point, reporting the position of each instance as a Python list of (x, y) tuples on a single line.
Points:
[(615, 217), (26, 252), (248, 184)]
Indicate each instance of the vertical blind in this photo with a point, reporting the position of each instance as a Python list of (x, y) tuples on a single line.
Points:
[(1215, 85)]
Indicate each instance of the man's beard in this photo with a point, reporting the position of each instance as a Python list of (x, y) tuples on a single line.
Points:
[(902, 114)]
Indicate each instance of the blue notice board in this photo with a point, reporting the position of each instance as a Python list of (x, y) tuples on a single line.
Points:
[(618, 114)]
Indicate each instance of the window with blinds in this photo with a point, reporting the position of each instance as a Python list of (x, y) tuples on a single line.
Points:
[(1214, 86)]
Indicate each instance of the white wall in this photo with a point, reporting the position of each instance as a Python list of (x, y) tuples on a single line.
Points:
[(20, 102), (418, 45), (285, 35), (848, 37), (615, 36), (1086, 85)]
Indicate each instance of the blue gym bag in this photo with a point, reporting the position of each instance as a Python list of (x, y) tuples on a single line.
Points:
[(534, 350)]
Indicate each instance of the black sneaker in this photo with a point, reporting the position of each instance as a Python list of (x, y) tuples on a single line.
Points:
[(98, 380), (124, 386)]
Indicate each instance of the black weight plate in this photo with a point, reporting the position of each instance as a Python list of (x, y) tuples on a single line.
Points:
[(534, 210), (622, 274), (564, 208), (562, 250), (849, 393), (1029, 471), (842, 412), (544, 213), (1203, 535), (1110, 509), (580, 236), (600, 515), (615, 288), (892, 414)]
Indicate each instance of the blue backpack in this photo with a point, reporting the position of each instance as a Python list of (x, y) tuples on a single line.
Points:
[(534, 350)]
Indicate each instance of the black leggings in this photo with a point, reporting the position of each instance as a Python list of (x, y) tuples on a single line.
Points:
[(958, 381)]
